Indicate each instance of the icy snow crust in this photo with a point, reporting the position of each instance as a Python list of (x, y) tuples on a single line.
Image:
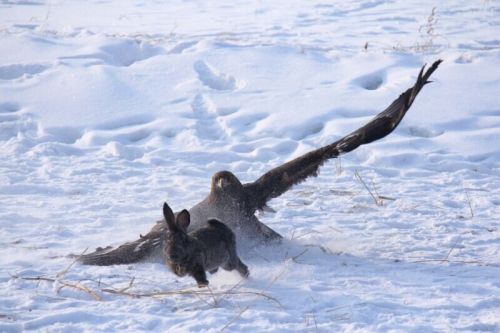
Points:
[(108, 108)]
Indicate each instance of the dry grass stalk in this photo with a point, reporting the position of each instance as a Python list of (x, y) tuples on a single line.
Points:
[(453, 247), (427, 31), (477, 262), (129, 285), (449, 252), (307, 233), (376, 198), (77, 285), (470, 203), (216, 302), (308, 317), (81, 287), (229, 323), (189, 292), (428, 35), (335, 229), (383, 197), (159, 294), (64, 271), (294, 258), (242, 311), (338, 165), (231, 289)]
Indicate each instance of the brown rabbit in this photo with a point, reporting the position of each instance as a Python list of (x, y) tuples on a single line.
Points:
[(205, 249)]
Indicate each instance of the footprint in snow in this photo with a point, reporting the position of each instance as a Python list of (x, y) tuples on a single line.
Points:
[(13, 121), (307, 130), (16, 71), (8, 112), (182, 47), (422, 132), (119, 53), (214, 79), (371, 81), (123, 131), (246, 122), (206, 113), (7, 107)]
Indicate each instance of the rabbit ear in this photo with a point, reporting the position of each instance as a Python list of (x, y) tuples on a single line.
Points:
[(183, 220), (169, 217)]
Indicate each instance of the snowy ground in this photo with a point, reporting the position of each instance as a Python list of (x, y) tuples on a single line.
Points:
[(108, 108)]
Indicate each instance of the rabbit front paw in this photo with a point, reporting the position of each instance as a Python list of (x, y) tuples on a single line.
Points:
[(202, 284)]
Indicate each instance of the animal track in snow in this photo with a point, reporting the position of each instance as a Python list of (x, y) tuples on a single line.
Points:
[(205, 111), (124, 135), (371, 81), (116, 149), (422, 132), (306, 130), (489, 113), (13, 122), (124, 53), (7, 107), (136, 120), (15, 71), (212, 78), (8, 112), (124, 131), (226, 111), (182, 47), (353, 113), (335, 11), (465, 58), (246, 122)]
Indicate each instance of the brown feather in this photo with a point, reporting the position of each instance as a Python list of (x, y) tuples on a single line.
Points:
[(274, 183)]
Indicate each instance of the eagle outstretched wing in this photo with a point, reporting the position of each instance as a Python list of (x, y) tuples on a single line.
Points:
[(278, 180)]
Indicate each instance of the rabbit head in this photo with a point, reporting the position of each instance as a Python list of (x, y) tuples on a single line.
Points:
[(182, 252)]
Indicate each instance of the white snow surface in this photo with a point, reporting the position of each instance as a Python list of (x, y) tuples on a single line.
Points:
[(109, 108)]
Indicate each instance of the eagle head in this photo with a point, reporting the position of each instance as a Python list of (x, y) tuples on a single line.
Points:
[(225, 182)]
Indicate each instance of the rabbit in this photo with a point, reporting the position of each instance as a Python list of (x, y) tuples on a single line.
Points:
[(205, 249)]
